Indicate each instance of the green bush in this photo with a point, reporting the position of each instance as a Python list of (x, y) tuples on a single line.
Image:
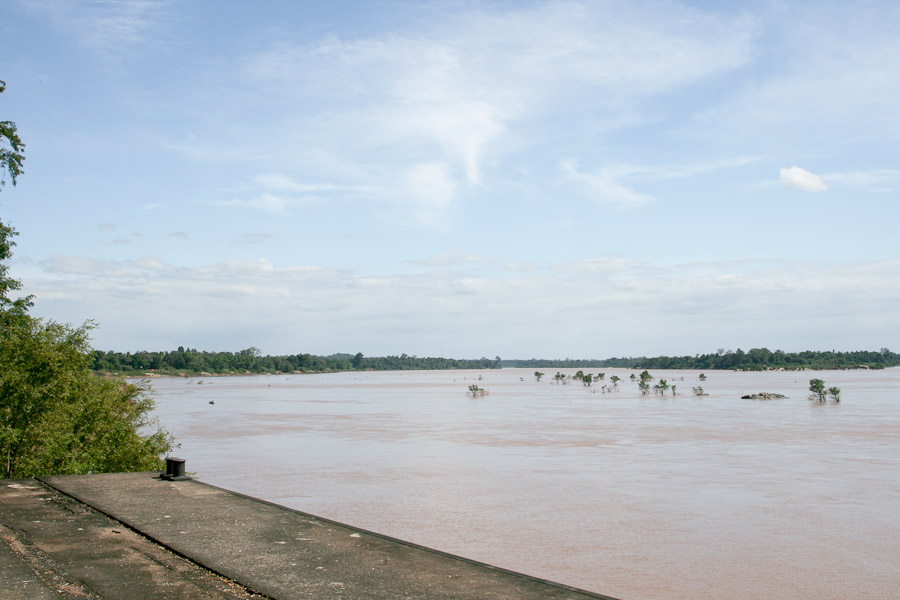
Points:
[(57, 417)]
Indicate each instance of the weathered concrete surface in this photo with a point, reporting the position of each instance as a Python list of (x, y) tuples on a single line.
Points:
[(52, 546), (290, 555)]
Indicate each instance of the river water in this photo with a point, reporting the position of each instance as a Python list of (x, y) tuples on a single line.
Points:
[(637, 497)]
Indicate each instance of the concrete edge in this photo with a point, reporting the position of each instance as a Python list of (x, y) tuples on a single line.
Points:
[(160, 543), (470, 561)]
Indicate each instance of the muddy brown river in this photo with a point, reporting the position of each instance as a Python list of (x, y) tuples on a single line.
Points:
[(638, 497)]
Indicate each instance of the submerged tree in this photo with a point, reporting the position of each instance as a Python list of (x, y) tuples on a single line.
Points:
[(661, 387), (538, 375), (835, 393), (817, 387), (477, 391)]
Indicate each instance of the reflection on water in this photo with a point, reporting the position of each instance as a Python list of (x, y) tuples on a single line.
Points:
[(633, 496)]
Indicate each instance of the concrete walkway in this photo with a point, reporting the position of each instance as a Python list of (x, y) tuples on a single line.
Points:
[(52, 546), (153, 534)]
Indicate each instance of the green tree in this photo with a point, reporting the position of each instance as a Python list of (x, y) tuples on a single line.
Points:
[(817, 387), (835, 393), (12, 150), (538, 375), (661, 387), (57, 417)]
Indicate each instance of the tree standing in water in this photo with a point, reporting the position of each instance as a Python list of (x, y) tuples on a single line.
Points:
[(817, 387)]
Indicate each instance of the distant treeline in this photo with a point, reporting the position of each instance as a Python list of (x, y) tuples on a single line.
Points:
[(190, 361), (756, 359)]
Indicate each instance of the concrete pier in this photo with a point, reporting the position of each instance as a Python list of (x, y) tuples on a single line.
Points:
[(134, 535)]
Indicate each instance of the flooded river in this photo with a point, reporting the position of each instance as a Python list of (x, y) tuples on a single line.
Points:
[(637, 497)]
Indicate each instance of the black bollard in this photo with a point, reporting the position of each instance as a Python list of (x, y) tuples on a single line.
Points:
[(174, 469)]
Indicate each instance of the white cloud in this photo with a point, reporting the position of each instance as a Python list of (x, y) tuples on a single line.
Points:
[(602, 307), (801, 179)]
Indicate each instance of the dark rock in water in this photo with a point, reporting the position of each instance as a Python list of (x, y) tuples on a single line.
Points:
[(763, 396)]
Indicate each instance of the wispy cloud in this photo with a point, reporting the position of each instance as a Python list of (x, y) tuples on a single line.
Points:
[(879, 180), (268, 203), (282, 183), (832, 81), (151, 206), (108, 26), (420, 119), (253, 238), (454, 257), (125, 240), (607, 184), (277, 193)]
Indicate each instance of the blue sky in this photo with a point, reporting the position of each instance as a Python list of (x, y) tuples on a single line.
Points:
[(522, 179)]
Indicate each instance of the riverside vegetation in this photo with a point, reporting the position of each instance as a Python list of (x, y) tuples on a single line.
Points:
[(190, 361), (56, 416)]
